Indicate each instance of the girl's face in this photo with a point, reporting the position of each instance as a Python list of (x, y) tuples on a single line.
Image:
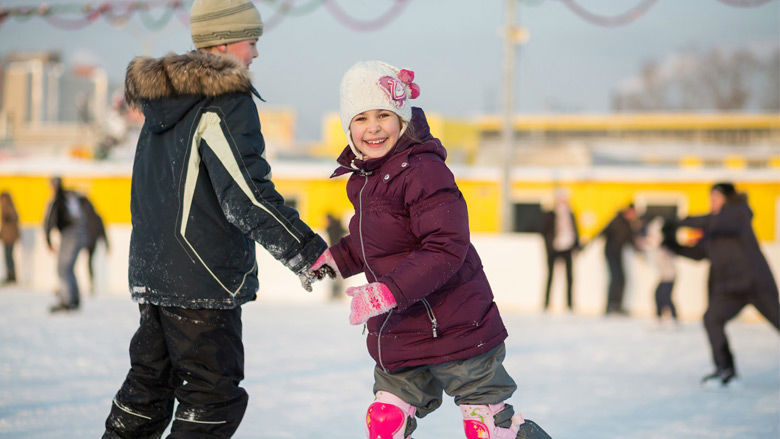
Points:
[(375, 132)]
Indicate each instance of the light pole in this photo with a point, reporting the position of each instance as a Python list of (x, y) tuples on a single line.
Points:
[(512, 35)]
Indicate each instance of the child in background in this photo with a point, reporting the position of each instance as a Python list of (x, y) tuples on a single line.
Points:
[(432, 323), (663, 259)]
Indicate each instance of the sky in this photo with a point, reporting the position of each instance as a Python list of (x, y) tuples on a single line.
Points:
[(568, 64)]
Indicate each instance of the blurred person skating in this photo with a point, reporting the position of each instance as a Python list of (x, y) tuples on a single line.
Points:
[(96, 232), (432, 324), (335, 231), (201, 196), (66, 215), (9, 234), (620, 232), (561, 241), (662, 258), (739, 274)]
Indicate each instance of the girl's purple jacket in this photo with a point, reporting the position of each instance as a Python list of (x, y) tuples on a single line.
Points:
[(410, 231)]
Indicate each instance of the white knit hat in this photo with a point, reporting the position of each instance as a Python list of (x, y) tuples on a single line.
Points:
[(376, 85)]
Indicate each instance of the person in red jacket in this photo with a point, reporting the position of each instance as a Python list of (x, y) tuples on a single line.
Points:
[(432, 323)]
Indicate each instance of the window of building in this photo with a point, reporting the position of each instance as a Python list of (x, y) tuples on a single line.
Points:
[(527, 217)]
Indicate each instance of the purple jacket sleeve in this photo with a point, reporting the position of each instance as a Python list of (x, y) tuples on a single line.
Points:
[(439, 220), (346, 258)]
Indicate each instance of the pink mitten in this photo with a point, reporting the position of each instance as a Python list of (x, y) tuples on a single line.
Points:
[(326, 258), (368, 301)]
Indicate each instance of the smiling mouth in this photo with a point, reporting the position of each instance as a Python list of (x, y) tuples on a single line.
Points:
[(375, 142)]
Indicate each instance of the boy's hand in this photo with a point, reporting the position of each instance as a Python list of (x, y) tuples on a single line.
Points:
[(307, 278), (368, 301), (311, 275)]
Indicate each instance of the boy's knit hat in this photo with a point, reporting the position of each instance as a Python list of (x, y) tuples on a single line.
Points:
[(215, 22), (376, 85)]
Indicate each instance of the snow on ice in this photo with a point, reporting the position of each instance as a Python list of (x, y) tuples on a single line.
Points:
[(309, 376)]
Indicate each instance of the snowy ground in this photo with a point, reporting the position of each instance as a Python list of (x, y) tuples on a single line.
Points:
[(308, 374)]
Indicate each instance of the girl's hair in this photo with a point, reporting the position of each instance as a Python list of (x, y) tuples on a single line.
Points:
[(410, 132)]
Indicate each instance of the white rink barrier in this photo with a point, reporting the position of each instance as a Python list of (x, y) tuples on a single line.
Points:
[(515, 265)]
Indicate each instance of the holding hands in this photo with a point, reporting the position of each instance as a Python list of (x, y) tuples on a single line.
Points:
[(323, 267), (368, 301)]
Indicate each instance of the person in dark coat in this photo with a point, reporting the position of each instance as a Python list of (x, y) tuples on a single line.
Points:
[(96, 232), (739, 273), (9, 234), (561, 241), (201, 197), (619, 233), (432, 323), (65, 215), (335, 232)]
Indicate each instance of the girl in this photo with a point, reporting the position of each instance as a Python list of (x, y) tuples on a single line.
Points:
[(739, 273), (663, 259), (432, 323)]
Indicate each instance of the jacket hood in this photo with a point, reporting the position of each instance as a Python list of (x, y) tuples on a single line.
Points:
[(417, 139), (740, 201), (166, 88)]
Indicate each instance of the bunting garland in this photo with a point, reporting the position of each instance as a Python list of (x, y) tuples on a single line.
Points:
[(119, 12)]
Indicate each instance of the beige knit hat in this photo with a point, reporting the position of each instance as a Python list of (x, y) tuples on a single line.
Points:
[(376, 85), (215, 22)]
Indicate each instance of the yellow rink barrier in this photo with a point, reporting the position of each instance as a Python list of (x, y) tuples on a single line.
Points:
[(594, 200)]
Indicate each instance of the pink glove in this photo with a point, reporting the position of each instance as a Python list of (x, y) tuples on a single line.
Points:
[(326, 259), (368, 301)]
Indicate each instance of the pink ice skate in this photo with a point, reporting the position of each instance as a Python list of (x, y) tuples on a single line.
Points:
[(387, 417), (478, 423)]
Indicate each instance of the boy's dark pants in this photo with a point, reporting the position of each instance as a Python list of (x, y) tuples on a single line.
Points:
[(195, 356), (480, 380)]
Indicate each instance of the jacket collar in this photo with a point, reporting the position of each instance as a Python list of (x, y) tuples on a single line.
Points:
[(194, 73)]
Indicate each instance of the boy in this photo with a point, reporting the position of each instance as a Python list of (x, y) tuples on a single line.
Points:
[(201, 194)]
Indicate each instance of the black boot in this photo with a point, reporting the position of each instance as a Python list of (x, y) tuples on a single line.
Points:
[(530, 430), (721, 376)]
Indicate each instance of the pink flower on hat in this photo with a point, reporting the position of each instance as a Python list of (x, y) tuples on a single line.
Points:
[(396, 88)]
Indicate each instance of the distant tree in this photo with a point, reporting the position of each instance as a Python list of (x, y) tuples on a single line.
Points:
[(719, 79)]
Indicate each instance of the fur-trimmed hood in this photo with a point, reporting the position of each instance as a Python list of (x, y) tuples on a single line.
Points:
[(195, 73)]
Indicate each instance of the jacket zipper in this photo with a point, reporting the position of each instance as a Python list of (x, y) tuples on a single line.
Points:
[(360, 223), (365, 261), (432, 317), (378, 337)]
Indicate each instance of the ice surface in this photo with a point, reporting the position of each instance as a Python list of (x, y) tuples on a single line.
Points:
[(309, 376)]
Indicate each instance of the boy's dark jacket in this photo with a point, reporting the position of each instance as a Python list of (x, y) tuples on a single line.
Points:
[(410, 231), (201, 189)]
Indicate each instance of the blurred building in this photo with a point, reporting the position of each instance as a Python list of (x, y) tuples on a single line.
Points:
[(46, 106), (688, 140)]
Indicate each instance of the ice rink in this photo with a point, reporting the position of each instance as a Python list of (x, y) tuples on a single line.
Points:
[(309, 376)]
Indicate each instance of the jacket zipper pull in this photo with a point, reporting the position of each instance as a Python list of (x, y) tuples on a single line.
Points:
[(365, 325), (435, 325)]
